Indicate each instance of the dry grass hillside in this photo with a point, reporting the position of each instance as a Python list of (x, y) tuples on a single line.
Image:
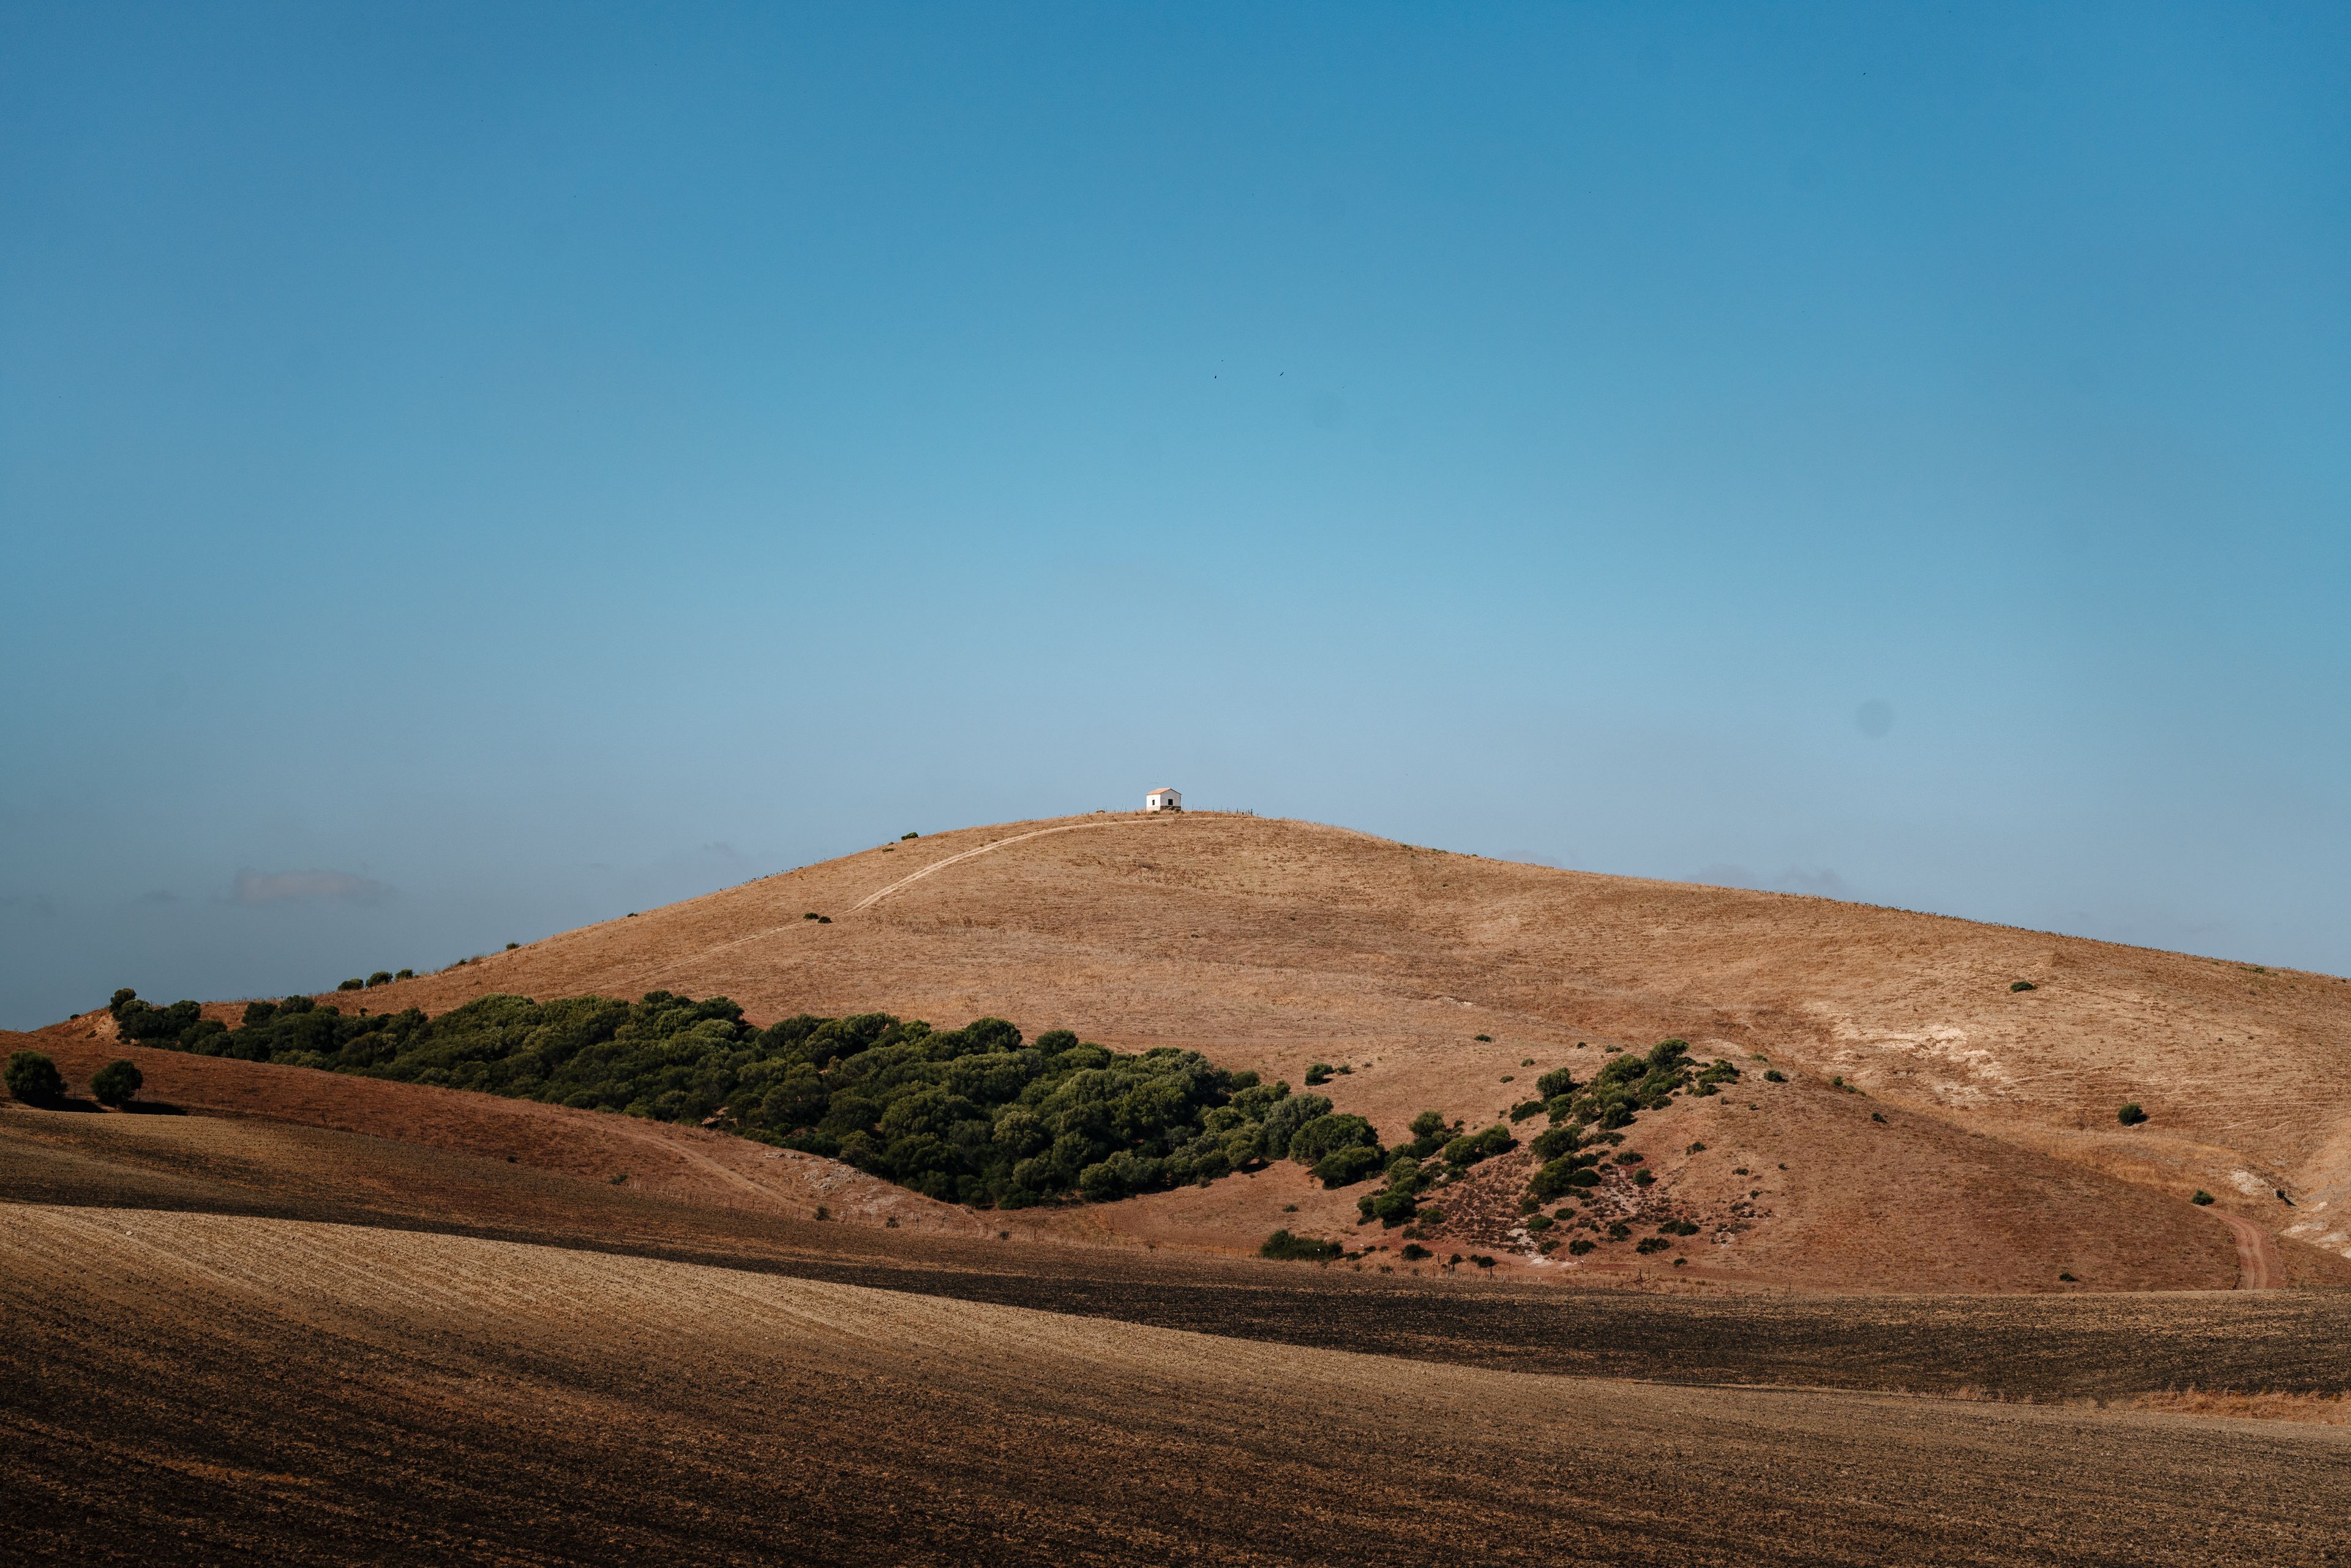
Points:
[(1981, 1151)]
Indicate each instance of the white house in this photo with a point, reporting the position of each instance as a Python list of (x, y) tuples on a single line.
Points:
[(1163, 801)]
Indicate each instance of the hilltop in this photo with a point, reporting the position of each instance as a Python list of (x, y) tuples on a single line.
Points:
[(1971, 1143)]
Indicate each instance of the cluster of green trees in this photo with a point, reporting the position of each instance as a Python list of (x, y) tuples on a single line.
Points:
[(973, 1115)]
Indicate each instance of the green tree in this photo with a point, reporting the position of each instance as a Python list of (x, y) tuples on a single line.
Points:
[(33, 1078), (117, 1083)]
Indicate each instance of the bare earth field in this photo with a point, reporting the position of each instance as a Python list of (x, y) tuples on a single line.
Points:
[(290, 1316)]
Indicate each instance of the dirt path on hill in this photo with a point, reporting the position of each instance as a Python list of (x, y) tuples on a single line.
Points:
[(875, 897), (2259, 1266)]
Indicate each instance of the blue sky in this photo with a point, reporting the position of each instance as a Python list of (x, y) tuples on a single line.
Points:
[(468, 471)]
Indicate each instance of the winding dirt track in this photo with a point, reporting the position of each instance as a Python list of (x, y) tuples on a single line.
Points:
[(878, 894), (2259, 1265)]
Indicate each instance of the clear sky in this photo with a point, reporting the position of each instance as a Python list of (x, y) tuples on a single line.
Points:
[(466, 472)]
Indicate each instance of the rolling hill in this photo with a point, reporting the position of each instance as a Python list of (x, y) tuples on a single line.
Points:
[(1936, 1130)]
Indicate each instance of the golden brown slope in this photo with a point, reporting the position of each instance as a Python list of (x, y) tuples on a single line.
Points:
[(1273, 943)]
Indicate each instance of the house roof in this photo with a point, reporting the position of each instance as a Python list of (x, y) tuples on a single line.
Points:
[(1162, 789)]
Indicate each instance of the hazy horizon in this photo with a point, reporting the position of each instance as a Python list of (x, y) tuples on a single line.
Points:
[(467, 475)]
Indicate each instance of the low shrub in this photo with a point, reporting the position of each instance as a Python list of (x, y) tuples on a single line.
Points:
[(117, 1083), (2130, 1115), (1319, 1073), (1282, 1245), (1414, 1252), (1579, 1246), (1553, 1180), (33, 1078), (1345, 1168), (381, 978), (1488, 1038), (1629, 1157), (1558, 1140), (1481, 1260), (1773, 1075), (1537, 1223), (1695, 1149), (1527, 1108), (353, 984), (405, 975), (1618, 1231), (2201, 1197), (2022, 986), (1643, 1177), (904, 837), (1651, 1244)]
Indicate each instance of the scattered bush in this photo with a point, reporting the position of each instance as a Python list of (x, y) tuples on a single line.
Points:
[(1282, 1245), (512, 946), (1414, 1252), (904, 837), (1630, 1157), (1553, 1180), (353, 984), (1345, 1168), (1528, 1062), (1559, 1080), (405, 975), (1876, 1116), (1773, 1075), (1643, 1177), (1484, 1037), (2022, 986), (381, 978), (1328, 1134), (1618, 1231), (1695, 1149), (1525, 1108), (1481, 1260), (2067, 1277), (1651, 1244), (33, 1078), (1397, 1202), (1319, 1073), (117, 1083), (1537, 1224), (2130, 1115), (1579, 1246), (1463, 1152), (2201, 1200)]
